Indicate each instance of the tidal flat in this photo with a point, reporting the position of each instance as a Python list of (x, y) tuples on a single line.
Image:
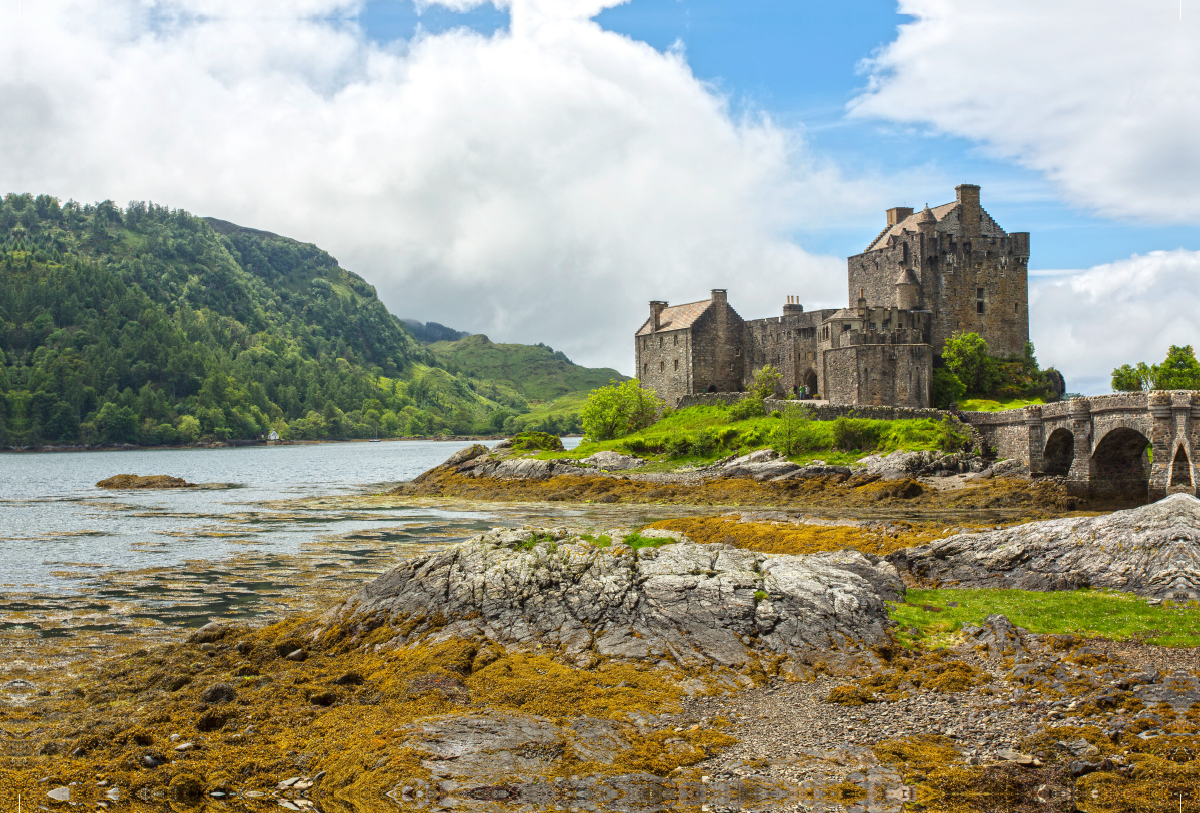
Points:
[(115, 693)]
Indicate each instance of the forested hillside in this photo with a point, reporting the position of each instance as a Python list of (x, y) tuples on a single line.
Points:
[(149, 325)]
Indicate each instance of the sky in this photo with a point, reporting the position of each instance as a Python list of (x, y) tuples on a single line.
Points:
[(538, 170)]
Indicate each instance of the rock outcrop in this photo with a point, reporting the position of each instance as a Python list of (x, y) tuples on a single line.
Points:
[(1153, 551), (613, 461), (693, 604), (123, 481)]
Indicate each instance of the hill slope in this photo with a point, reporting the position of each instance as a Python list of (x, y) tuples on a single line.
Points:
[(149, 325), (534, 370)]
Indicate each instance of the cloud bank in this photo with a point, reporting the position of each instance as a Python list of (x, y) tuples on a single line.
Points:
[(540, 184), (1102, 96), (1088, 323)]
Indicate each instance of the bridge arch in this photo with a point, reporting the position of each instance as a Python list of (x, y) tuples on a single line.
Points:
[(1059, 452), (1181, 469), (1120, 464)]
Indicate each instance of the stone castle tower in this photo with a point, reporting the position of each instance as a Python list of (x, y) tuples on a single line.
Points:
[(928, 275)]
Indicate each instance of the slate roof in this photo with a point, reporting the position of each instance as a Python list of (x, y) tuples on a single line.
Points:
[(677, 317), (987, 226)]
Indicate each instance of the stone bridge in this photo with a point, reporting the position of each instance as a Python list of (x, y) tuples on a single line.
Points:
[(1136, 444)]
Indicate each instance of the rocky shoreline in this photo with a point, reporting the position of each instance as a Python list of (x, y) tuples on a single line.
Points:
[(631, 670), (915, 480)]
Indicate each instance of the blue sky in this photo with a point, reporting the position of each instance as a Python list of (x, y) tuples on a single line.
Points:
[(799, 62), (538, 170)]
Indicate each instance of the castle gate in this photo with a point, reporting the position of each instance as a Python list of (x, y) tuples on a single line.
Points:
[(1132, 444)]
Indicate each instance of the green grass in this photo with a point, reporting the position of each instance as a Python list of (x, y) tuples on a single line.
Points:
[(537, 372), (637, 541), (671, 443), (988, 405), (562, 407), (1107, 614)]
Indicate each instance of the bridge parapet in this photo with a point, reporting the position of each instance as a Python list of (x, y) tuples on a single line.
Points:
[(1105, 444)]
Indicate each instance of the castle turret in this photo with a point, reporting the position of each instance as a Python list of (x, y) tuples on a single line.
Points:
[(908, 290)]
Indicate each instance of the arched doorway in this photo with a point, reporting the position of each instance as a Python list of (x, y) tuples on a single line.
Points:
[(1181, 469), (1120, 465), (1060, 450), (711, 389), (810, 381)]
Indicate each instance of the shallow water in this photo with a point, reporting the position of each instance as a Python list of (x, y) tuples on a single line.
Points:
[(289, 528)]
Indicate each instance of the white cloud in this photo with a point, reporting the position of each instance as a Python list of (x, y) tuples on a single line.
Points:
[(1087, 323), (539, 185), (1103, 96)]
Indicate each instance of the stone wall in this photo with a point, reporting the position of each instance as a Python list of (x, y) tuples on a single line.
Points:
[(789, 343), (664, 363), (717, 348), (878, 374), (831, 412)]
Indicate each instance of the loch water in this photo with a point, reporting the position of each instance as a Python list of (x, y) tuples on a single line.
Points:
[(275, 529)]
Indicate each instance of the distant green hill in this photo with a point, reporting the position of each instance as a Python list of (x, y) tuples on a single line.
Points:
[(147, 325), (536, 371)]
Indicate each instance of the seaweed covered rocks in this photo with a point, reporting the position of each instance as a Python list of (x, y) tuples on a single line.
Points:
[(694, 605), (127, 481), (1153, 551)]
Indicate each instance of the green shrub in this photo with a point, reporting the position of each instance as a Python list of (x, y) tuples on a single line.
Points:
[(856, 434), (747, 408), (536, 442), (619, 409), (788, 438), (947, 388), (706, 443), (637, 541), (678, 445)]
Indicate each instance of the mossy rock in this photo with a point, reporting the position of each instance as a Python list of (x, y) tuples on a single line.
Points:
[(536, 442), (849, 696)]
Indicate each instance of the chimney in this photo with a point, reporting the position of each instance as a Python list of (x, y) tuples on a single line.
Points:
[(718, 295), (968, 199), (894, 216), (793, 306), (656, 309)]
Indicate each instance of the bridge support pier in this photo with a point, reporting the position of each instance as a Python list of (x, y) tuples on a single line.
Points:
[(1171, 439), (1037, 439), (1079, 478)]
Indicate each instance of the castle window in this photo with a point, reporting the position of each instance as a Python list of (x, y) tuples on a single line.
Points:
[(676, 364), (646, 368), (675, 339), (872, 326), (660, 341), (1016, 308), (845, 327), (979, 300), (662, 365)]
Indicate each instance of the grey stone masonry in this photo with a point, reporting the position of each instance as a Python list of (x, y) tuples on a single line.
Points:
[(927, 275)]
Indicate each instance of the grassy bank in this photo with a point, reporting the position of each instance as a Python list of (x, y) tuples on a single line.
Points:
[(700, 435), (939, 614), (991, 405)]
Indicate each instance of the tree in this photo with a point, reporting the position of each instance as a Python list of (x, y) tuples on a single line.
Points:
[(966, 355), (947, 388), (117, 424), (787, 438), (766, 379), (1179, 371), (618, 409), (1128, 378)]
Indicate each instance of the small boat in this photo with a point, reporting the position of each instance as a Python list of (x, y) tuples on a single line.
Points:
[(374, 440)]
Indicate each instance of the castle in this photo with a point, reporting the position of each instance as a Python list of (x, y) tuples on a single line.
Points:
[(928, 275)]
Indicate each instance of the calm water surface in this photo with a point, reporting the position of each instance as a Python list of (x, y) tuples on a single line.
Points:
[(278, 528)]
